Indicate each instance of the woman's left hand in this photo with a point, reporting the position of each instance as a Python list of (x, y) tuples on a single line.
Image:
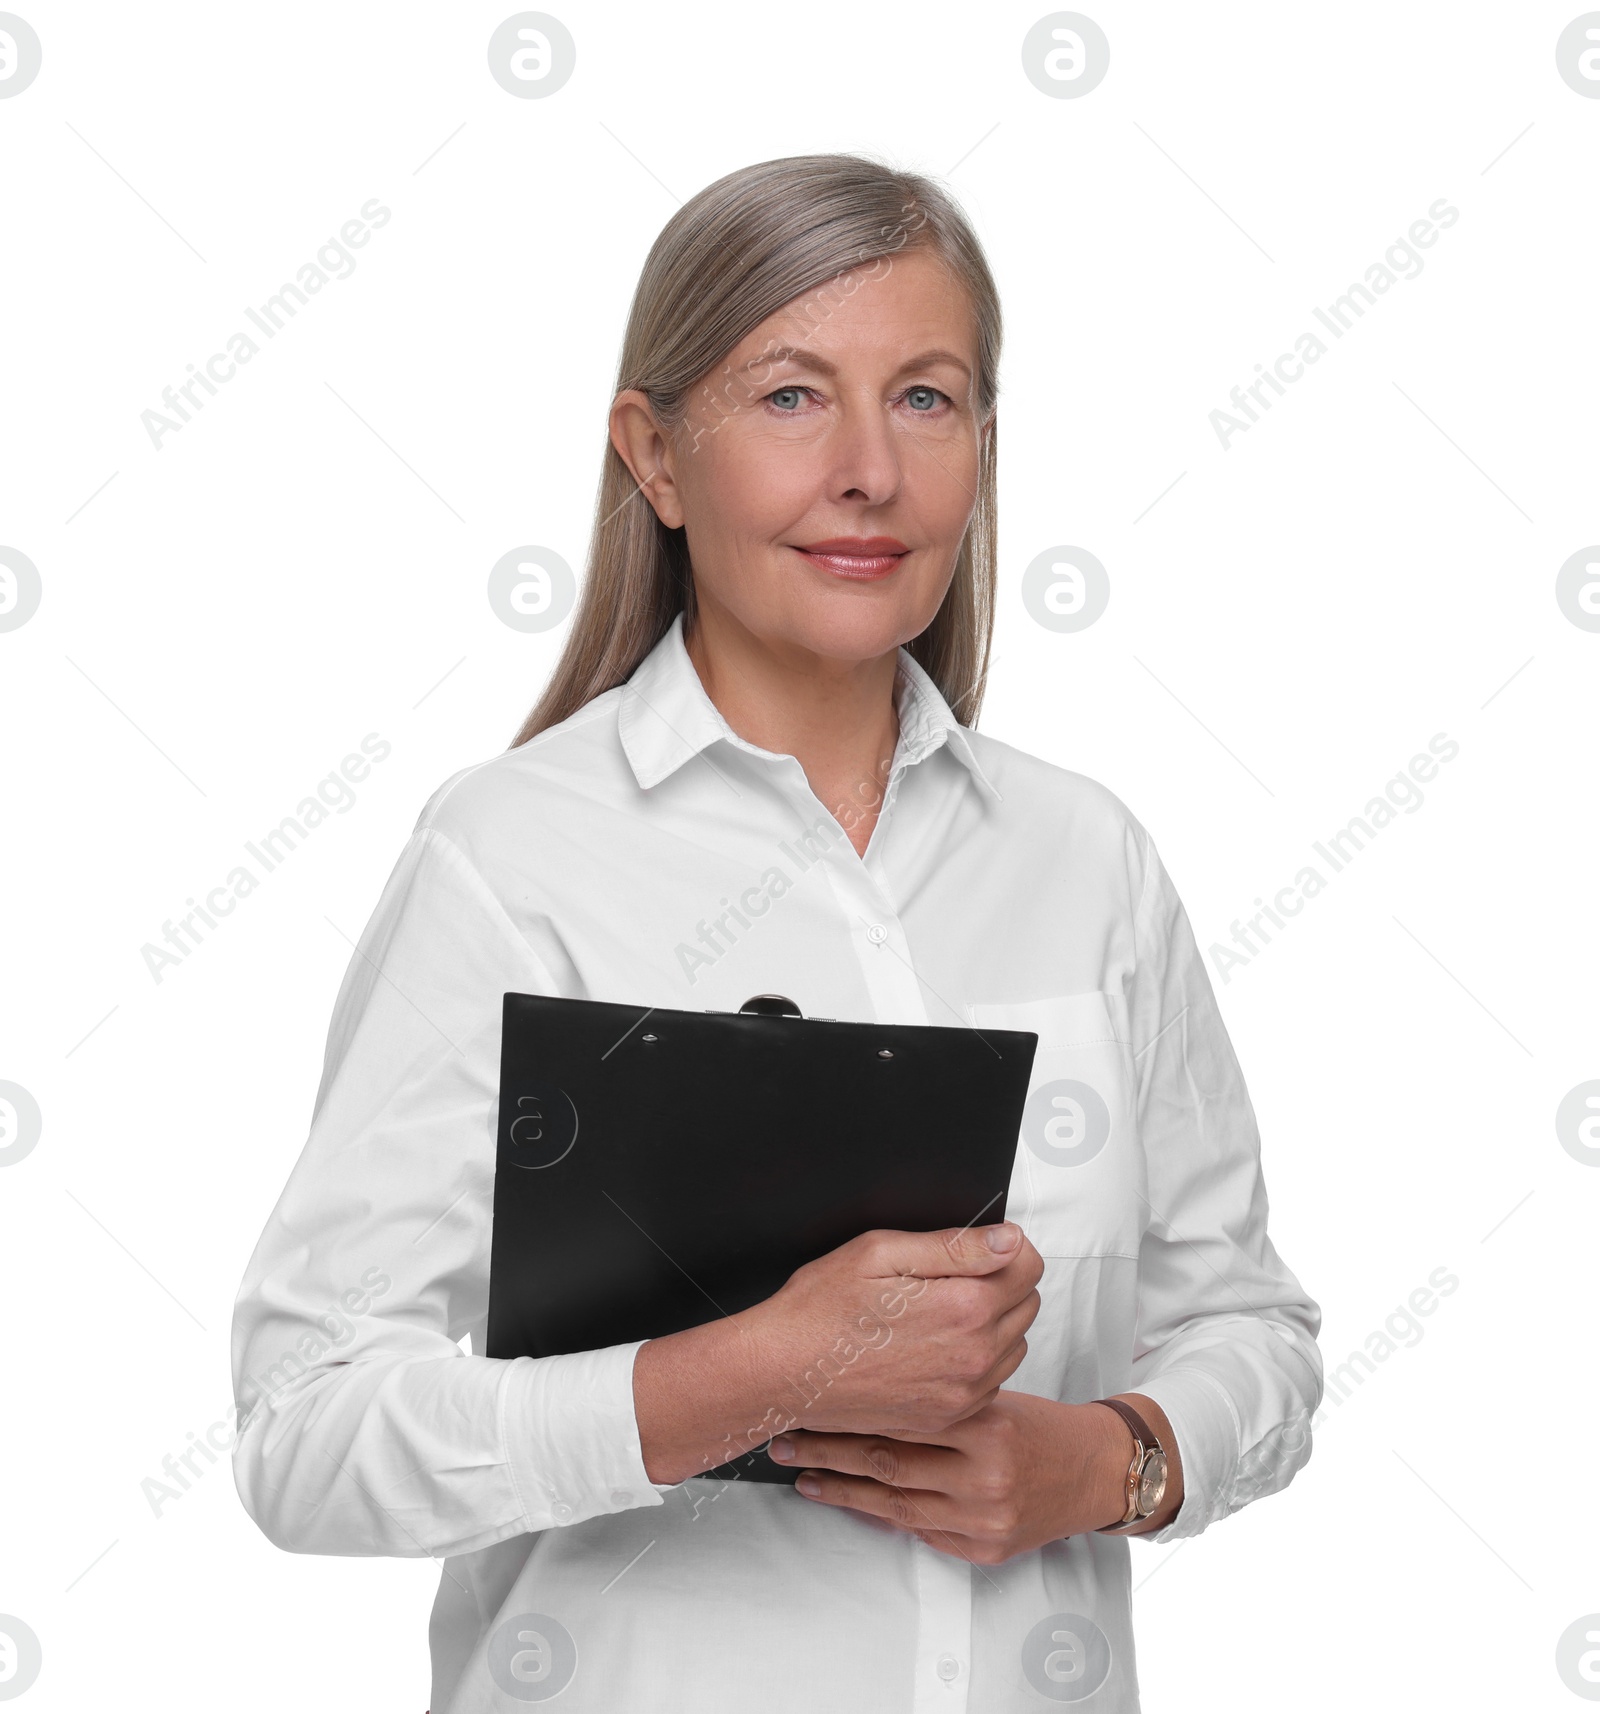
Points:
[(1018, 1473)]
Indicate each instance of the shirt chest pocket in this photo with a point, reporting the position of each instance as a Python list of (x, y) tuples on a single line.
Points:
[(1077, 1181)]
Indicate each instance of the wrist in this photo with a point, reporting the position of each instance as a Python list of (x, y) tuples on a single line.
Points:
[(1153, 1487), (1116, 1458), (702, 1397)]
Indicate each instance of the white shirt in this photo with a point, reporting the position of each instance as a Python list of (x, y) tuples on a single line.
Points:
[(642, 852)]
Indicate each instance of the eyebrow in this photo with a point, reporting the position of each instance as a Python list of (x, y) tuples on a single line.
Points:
[(810, 360)]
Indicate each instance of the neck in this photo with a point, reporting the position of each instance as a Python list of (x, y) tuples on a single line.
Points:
[(836, 717)]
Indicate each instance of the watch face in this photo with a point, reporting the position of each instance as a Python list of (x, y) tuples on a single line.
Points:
[(1152, 1483)]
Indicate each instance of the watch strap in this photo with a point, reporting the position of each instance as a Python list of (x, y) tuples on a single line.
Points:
[(1142, 1431)]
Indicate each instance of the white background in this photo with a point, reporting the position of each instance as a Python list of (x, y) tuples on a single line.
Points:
[(306, 562)]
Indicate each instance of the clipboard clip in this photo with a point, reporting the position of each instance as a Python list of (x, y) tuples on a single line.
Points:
[(769, 1006)]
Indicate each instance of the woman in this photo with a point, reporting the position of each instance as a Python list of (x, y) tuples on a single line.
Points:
[(754, 770)]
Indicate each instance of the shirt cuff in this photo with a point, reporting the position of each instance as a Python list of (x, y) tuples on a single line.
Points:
[(572, 1437), (1206, 1428)]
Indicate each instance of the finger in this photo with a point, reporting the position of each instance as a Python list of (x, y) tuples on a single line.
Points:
[(1002, 1371), (1003, 1368), (906, 1508), (884, 1458), (1018, 1319), (952, 1250), (1021, 1274), (1013, 1343)]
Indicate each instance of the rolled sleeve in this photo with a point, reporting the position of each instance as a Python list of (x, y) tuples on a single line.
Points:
[(574, 1436), (1225, 1335), (1205, 1427)]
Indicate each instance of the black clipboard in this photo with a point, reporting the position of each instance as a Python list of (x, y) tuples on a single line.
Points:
[(655, 1168)]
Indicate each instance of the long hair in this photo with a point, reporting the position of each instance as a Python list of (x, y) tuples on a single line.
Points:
[(731, 256)]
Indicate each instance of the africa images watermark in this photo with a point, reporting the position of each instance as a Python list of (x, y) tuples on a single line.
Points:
[(332, 261), (1401, 261), (334, 795), (330, 1329), (811, 845), (1403, 792), (1401, 1330)]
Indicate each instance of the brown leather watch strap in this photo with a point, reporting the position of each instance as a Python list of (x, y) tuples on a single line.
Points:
[(1141, 1429)]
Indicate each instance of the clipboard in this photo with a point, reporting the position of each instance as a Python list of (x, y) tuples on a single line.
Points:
[(657, 1168)]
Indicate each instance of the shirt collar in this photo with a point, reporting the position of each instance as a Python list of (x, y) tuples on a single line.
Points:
[(666, 718)]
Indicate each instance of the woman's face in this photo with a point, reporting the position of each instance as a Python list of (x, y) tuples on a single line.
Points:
[(826, 470)]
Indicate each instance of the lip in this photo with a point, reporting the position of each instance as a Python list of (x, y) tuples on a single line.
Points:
[(860, 557)]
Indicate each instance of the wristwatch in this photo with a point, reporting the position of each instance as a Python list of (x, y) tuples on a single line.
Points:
[(1147, 1474)]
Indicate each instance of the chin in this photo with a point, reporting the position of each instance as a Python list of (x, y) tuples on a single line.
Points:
[(855, 622), (847, 628)]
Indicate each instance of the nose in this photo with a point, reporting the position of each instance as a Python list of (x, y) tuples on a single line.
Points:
[(866, 451)]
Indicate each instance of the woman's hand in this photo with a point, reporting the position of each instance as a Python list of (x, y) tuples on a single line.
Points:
[(899, 1332), (1021, 1472)]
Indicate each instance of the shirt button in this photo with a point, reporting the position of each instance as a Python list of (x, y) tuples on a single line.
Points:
[(877, 933), (561, 1510), (622, 1496), (949, 1667)]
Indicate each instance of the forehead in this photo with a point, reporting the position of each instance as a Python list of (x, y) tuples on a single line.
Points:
[(879, 311)]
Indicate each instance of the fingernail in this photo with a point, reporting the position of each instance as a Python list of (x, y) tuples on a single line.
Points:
[(781, 1448), (1003, 1237), (809, 1486)]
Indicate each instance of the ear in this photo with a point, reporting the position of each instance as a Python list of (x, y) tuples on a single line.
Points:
[(646, 448)]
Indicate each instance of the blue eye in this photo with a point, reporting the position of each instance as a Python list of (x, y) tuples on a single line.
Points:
[(785, 393), (931, 394)]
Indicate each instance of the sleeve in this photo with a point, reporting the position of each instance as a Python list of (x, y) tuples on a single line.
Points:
[(364, 1428), (1225, 1336)]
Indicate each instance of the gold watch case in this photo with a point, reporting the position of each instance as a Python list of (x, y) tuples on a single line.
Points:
[(1152, 1483)]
